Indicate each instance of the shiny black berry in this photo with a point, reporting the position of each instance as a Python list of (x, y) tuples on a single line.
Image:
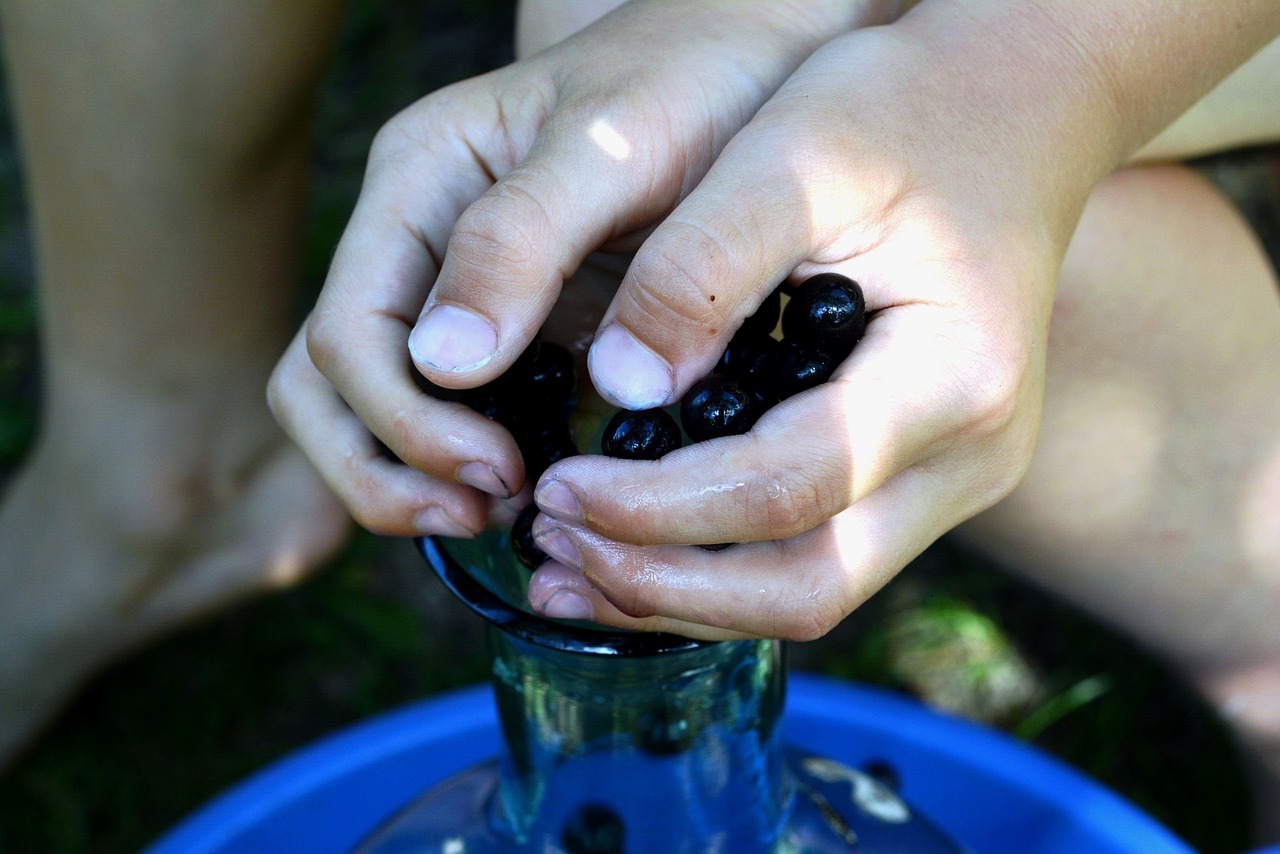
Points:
[(646, 434), (593, 829), (766, 315), (552, 376), (717, 406), (522, 368), (490, 401), (748, 357), (542, 443), (522, 542), (800, 368), (827, 310)]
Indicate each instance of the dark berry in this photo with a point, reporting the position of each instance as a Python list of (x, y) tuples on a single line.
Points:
[(751, 359), (765, 318), (522, 542), (646, 434), (490, 402), (490, 399), (522, 368), (800, 368), (513, 387), (827, 310), (543, 444), (552, 376), (717, 406), (439, 392), (593, 829)]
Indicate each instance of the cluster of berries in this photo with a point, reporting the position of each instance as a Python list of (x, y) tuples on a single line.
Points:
[(532, 399), (824, 318)]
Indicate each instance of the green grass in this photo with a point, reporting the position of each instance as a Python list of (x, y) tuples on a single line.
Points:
[(164, 731)]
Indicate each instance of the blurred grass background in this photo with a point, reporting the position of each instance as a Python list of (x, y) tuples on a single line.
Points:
[(162, 732)]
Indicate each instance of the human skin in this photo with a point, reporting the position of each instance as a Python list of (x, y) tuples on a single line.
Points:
[(1153, 497), (931, 421), (165, 151), (348, 375), (934, 418)]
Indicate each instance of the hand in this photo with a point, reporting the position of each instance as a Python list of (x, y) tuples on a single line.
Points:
[(496, 189), (943, 162), (887, 158)]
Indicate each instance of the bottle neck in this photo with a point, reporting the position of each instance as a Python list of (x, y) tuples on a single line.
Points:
[(597, 746)]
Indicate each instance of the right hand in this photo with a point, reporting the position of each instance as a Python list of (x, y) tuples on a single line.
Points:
[(496, 189)]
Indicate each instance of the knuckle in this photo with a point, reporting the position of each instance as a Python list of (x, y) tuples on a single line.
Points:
[(631, 595), (992, 401), (278, 394), (364, 501), (324, 338), (679, 277), (397, 137), (410, 129), (497, 228), (786, 502), (812, 616)]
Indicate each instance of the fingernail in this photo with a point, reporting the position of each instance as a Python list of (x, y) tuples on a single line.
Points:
[(484, 478), (452, 339), (627, 373), (556, 499), (557, 544), (567, 605), (434, 520)]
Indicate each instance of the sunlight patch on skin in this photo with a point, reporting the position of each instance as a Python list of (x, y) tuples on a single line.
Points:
[(610, 141)]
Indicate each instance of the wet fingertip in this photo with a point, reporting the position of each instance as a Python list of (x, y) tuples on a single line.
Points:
[(557, 500), (555, 542), (437, 521), (549, 578), (566, 604), (483, 477)]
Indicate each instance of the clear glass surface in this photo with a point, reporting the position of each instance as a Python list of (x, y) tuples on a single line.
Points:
[(642, 744)]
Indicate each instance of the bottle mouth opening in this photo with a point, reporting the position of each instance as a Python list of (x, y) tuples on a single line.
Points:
[(551, 634)]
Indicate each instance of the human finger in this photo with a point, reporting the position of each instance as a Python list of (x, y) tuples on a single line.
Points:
[(903, 397), (383, 495), (357, 335), (561, 592), (795, 589), (621, 142)]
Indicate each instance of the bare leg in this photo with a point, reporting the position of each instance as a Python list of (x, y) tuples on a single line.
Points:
[(165, 146), (1154, 497)]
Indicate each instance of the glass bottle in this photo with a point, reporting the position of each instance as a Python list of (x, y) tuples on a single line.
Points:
[(623, 742)]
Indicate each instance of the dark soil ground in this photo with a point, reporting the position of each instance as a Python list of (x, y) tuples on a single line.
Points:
[(162, 732)]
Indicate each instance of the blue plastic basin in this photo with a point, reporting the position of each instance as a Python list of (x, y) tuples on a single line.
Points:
[(992, 792)]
